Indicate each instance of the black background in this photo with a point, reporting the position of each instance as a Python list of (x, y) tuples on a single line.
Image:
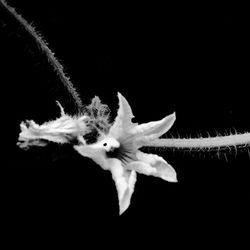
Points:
[(193, 60)]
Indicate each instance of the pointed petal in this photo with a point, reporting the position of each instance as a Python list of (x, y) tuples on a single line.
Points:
[(150, 164), (123, 120), (125, 182), (153, 130)]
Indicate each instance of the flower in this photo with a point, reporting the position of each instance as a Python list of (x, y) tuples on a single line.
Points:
[(118, 151), (117, 146)]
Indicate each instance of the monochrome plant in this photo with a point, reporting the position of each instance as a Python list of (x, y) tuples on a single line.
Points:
[(114, 145)]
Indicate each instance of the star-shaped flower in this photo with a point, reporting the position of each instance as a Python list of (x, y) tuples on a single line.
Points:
[(118, 151)]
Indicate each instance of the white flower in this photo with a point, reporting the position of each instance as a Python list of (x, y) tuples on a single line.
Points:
[(118, 151)]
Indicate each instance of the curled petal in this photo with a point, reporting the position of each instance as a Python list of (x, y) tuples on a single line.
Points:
[(122, 122), (150, 164), (125, 183)]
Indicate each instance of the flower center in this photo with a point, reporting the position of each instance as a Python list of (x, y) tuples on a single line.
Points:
[(123, 153)]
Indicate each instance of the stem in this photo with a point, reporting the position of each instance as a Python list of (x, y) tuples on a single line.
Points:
[(57, 66), (211, 142)]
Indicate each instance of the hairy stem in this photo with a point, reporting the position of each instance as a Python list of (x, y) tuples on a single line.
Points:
[(57, 66), (210, 142)]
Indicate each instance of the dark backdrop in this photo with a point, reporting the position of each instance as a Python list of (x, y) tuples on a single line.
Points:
[(189, 59)]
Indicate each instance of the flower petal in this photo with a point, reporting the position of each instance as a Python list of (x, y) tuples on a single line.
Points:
[(150, 164), (122, 122), (142, 168), (32, 132), (155, 129), (97, 151), (125, 182), (61, 130), (96, 154)]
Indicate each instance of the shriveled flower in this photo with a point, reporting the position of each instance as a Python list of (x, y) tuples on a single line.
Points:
[(118, 151), (62, 130)]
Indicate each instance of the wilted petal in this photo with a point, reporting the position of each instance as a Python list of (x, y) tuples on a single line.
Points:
[(155, 129), (150, 164), (124, 181), (122, 122), (31, 132), (61, 130)]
